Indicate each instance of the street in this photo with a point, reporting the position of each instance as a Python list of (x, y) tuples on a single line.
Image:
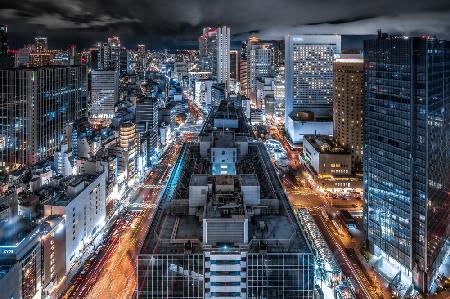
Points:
[(110, 273)]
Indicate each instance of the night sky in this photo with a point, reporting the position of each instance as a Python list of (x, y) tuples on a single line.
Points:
[(177, 23)]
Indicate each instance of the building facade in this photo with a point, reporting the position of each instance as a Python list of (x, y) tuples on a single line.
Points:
[(37, 104), (309, 74), (104, 93), (222, 73), (348, 104), (406, 156), (259, 62)]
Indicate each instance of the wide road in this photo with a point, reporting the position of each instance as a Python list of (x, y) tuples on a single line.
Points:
[(111, 272)]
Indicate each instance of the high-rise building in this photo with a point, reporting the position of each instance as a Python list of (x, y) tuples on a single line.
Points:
[(234, 65), (38, 59), (243, 68), (7, 58), (406, 155), (259, 62), (147, 115), (104, 93), (74, 56), (348, 104), (114, 55), (309, 74), (3, 40), (40, 44), (207, 49), (141, 58), (109, 54), (37, 104), (123, 61), (223, 226), (222, 71), (129, 144)]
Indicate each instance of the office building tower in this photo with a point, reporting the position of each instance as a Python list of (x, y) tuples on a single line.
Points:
[(40, 44), (123, 61), (223, 226), (348, 104), (406, 156), (309, 74), (259, 62), (207, 49), (7, 58), (141, 58), (94, 54), (104, 93), (234, 65), (37, 104), (129, 144), (114, 54), (278, 52), (243, 69), (38, 59), (3, 40), (22, 57), (147, 115), (74, 56), (222, 70)]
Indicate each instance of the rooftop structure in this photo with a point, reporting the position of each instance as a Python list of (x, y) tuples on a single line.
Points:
[(223, 217)]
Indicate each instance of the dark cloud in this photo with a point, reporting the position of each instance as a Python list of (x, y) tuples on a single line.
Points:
[(178, 22)]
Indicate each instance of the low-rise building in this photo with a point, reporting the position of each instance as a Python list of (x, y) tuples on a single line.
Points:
[(81, 201), (305, 123), (330, 164), (20, 259)]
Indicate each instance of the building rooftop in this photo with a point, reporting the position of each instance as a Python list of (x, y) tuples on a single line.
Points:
[(325, 144), (271, 223), (249, 180), (13, 232), (61, 195)]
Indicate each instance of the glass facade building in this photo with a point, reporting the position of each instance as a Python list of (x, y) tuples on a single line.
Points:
[(406, 153), (37, 105)]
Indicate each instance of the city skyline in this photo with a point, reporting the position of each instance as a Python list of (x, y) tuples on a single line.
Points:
[(168, 25), (287, 149)]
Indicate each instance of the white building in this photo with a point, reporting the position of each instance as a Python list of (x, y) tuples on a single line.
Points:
[(297, 127), (82, 201), (61, 161), (104, 93), (309, 74), (202, 92), (223, 55)]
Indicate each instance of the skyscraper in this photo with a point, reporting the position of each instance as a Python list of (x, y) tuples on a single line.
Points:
[(243, 68), (348, 104), (37, 104), (109, 54), (207, 49), (104, 93), (141, 58), (309, 73), (147, 115), (234, 65), (223, 226), (3, 40), (222, 71), (40, 44), (259, 62), (406, 154)]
